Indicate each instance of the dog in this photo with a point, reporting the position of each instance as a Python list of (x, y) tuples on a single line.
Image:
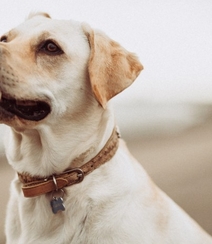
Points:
[(76, 181)]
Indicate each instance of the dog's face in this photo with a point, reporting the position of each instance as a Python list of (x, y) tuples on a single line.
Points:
[(43, 65), (55, 68)]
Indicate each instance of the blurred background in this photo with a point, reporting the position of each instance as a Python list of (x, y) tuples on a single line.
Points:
[(166, 115)]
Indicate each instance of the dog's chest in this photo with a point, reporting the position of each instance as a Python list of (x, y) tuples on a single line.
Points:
[(47, 227)]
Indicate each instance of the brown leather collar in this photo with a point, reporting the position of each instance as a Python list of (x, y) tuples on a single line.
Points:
[(35, 186)]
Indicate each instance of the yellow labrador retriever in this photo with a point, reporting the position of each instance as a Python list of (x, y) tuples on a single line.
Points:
[(76, 181)]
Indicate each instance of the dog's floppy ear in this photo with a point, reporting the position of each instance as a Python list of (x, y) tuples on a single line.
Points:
[(111, 67)]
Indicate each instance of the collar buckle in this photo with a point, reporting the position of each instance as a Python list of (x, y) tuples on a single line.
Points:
[(80, 174)]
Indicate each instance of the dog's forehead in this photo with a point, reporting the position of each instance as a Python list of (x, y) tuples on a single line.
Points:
[(39, 24)]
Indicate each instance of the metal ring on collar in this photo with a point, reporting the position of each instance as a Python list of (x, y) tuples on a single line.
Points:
[(55, 182)]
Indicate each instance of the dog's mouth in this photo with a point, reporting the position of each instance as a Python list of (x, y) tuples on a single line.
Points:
[(25, 109)]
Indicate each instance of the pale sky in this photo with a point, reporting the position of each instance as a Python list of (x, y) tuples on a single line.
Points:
[(173, 39)]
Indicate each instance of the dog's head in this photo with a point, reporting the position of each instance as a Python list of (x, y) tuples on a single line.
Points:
[(56, 68)]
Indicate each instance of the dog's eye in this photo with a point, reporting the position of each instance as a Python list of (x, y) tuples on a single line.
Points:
[(50, 48), (3, 39)]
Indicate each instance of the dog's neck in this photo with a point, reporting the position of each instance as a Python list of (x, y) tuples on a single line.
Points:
[(49, 150)]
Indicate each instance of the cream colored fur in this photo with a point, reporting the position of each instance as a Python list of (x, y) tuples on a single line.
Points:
[(117, 203)]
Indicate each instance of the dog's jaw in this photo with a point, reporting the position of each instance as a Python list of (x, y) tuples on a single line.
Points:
[(46, 151)]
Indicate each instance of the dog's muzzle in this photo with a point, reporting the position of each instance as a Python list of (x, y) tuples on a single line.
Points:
[(33, 110)]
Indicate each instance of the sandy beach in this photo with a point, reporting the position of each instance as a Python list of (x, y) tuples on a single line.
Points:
[(180, 164)]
